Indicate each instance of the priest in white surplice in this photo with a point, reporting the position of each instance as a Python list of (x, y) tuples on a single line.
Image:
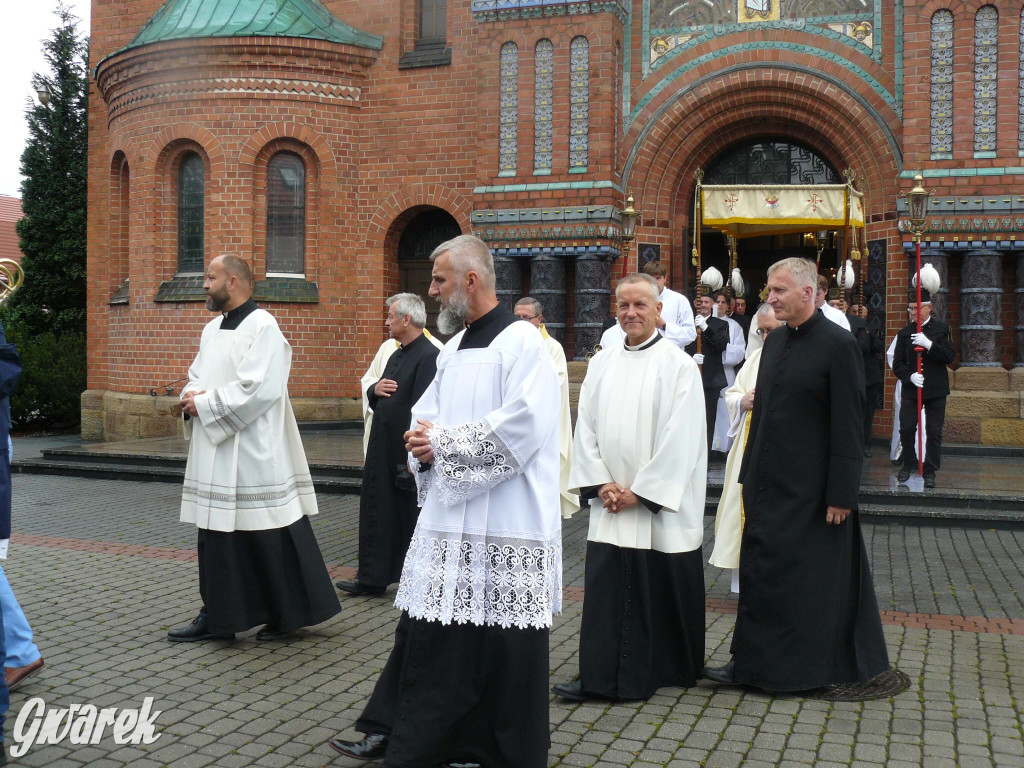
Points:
[(739, 399), (247, 485), (640, 460), (467, 678), (530, 310)]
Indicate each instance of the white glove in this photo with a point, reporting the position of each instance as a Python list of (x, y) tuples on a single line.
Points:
[(698, 359), (917, 379), (920, 340), (700, 322)]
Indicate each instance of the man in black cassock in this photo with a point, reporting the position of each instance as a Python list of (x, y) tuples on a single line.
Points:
[(871, 347), (714, 334), (807, 615), (387, 499), (937, 352)]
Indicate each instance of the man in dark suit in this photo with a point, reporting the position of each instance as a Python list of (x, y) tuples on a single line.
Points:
[(714, 335), (935, 346), (870, 346)]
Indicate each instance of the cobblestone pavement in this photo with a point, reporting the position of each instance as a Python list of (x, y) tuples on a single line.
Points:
[(104, 569)]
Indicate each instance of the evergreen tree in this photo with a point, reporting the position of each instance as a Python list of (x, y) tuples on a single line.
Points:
[(53, 230)]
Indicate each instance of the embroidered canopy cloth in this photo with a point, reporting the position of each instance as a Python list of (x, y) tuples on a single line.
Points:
[(744, 210)]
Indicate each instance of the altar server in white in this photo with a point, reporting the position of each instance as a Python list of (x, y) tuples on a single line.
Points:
[(247, 485), (731, 357), (675, 321), (467, 678), (640, 460), (739, 399), (530, 310)]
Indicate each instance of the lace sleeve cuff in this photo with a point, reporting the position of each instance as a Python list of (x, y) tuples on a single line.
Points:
[(468, 460)]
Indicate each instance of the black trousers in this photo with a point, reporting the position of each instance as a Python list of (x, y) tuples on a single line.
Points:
[(464, 693), (870, 404), (935, 417), (711, 412)]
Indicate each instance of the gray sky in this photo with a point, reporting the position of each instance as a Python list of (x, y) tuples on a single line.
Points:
[(26, 25)]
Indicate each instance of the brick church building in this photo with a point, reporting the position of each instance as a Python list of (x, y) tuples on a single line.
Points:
[(334, 143)]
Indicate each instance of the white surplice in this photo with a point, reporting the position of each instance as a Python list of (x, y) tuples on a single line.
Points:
[(246, 467), (487, 549), (371, 377), (731, 357), (678, 317), (641, 423), (837, 317), (729, 518), (570, 501)]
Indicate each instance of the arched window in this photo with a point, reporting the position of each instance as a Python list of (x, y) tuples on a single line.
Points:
[(191, 183), (543, 99), (986, 59), (508, 138), (286, 215), (579, 103), (942, 85)]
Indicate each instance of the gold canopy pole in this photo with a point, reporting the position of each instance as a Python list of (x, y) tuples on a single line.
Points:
[(697, 220)]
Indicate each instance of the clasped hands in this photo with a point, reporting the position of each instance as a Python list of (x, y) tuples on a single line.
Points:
[(418, 444), (188, 403), (616, 498)]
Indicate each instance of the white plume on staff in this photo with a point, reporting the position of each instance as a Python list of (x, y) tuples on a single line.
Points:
[(846, 277), (739, 288), (712, 278), (930, 280)]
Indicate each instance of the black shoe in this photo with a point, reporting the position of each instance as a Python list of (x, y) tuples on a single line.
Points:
[(572, 691), (356, 587), (722, 675), (273, 633), (929, 481), (904, 475), (194, 632), (372, 747)]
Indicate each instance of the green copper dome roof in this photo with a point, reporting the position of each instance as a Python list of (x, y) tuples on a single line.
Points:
[(191, 19)]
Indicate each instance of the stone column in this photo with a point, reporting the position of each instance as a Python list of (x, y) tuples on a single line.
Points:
[(981, 299), (593, 297), (938, 258), (508, 280), (1018, 328), (547, 285)]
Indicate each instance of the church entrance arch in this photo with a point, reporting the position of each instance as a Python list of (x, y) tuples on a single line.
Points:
[(770, 161), (426, 230)]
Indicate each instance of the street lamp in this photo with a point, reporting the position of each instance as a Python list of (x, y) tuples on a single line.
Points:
[(630, 216), (43, 93), (917, 204)]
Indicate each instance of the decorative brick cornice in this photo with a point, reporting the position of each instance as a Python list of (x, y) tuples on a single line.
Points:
[(290, 69), (544, 226), (510, 10), (969, 214)]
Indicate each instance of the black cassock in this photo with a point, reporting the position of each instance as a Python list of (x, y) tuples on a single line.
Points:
[(387, 501), (807, 614)]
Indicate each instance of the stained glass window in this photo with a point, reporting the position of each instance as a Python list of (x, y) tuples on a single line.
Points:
[(543, 100), (286, 214), (579, 102), (508, 138), (191, 180), (986, 58)]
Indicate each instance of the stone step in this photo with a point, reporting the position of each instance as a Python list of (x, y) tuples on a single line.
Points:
[(326, 478)]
